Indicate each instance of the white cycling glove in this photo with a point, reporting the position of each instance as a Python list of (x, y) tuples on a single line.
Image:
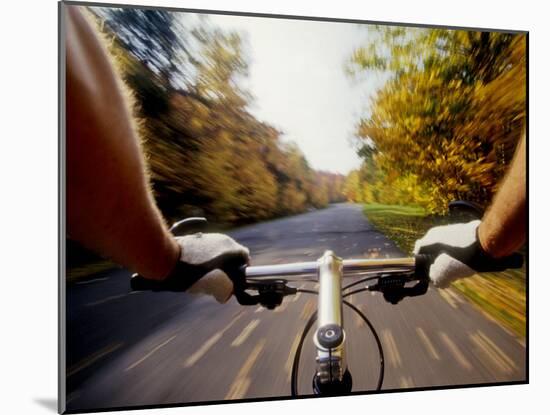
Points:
[(207, 263), (455, 252), (200, 248)]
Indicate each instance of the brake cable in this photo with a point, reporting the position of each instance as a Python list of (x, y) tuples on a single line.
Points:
[(307, 328)]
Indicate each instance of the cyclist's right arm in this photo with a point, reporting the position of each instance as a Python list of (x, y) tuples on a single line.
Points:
[(502, 230), (460, 250)]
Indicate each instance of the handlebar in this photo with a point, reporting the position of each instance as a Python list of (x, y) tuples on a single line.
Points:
[(263, 277), (267, 285), (270, 281), (390, 276), (351, 267), (271, 284)]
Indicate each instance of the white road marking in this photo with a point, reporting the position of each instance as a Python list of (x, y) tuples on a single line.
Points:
[(92, 281), (242, 382), (106, 300), (259, 309), (240, 339), (427, 343), (391, 347), (457, 297), (448, 297), (94, 357), (453, 348), (296, 296), (406, 382), (493, 352), (283, 305), (164, 343), (292, 351), (191, 360)]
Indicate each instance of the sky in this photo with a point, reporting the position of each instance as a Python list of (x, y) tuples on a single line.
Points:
[(297, 77)]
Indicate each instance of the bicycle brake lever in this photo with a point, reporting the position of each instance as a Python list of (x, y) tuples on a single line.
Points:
[(188, 226), (395, 296), (393, 288), (270, 292)]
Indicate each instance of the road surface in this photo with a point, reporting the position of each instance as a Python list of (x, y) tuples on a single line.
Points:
[(128, 349)]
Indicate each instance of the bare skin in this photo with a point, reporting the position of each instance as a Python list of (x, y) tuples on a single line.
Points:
[(110, 208), (502, 230)]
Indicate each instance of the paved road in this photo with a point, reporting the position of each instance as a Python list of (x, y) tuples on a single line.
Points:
[(128, 349)]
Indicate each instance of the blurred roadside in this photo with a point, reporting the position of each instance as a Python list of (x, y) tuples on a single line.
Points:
[(501, 296)]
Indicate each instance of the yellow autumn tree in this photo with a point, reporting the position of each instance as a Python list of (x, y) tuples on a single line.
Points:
[(206, 153), (445, 124)]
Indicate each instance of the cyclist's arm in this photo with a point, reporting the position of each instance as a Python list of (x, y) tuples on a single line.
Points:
[(502, 230), (462, 249), (110, 208)]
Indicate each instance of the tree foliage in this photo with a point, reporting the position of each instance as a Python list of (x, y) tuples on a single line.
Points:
[(445, 124), (206, 153)]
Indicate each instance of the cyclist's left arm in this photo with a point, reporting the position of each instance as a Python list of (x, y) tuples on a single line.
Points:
[(109, 205)]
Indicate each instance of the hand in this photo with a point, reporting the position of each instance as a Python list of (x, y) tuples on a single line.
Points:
[(206, 265), (217, 252), (457, 253)]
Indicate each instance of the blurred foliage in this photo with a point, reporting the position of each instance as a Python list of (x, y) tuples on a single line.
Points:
[(206, 153), (445, 124), (402, 224), (502, 296)]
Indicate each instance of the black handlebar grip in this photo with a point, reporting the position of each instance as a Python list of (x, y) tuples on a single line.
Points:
[(185, 275), (181, 278), (485, 264), (422, 265), (513, 261)]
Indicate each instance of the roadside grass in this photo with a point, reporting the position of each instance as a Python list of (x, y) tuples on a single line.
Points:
[(501, 295)]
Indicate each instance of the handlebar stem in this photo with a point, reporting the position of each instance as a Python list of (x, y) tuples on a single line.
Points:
[(329, 338), (330, 290)]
